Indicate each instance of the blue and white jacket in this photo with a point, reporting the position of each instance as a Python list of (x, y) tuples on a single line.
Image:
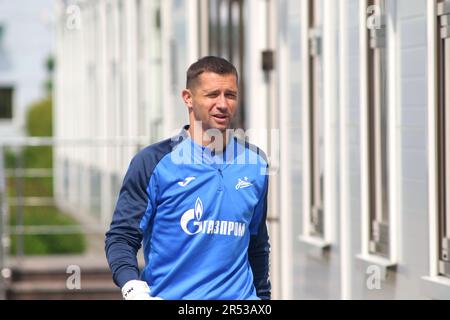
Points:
[(201, 218)]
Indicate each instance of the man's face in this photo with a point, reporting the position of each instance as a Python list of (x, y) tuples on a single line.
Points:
[(213, 100)]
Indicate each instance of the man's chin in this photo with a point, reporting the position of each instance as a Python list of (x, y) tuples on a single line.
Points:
[(219, 126)]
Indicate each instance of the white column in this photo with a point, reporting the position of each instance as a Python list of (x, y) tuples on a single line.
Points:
[(256, 87), (167, 95), (344, 186), (132, 84)]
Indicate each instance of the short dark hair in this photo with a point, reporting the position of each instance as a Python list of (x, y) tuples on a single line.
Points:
[(212, 64)]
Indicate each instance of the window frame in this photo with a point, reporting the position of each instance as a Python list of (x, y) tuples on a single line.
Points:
[(316, 221), (329, 95), (217, 24), (392, 181), (443, 78), (378, 143), (433, 285), (441, 124)]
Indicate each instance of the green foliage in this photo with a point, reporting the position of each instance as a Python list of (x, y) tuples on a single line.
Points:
[(30, 157), (32, 187), (39, 124), (10, 159), (48, 86), (49, 243), (39, 119), (38, 157), (50, 64)]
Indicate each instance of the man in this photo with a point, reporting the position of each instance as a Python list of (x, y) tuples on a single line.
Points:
[(197, 202)]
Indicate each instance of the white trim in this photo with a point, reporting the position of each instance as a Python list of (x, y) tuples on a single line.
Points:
[(394, 182), (193, 23), (394, 135), (364, 130), (82, 131), (154, 74), (116, 95), (103, 93), (204, 27), (329, 108), (256, 112), (286, 211), (132, 81), (432, 160), (314, 243), (282, 264), (146, 24), (345, 216), (167, 95), (305, 117), (103, 77), (329, 127), (435, 287)]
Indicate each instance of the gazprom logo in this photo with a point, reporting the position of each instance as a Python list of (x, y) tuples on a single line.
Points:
[(193, 214), (191, 222)]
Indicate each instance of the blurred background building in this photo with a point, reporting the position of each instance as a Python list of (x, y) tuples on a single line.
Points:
[(23, 59), (347, 97)]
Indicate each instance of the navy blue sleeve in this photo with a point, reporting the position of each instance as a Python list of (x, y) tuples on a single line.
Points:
[(123, 240), (136, 198), (259, 248)]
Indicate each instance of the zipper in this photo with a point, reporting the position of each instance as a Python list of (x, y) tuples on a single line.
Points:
[(220, 173)]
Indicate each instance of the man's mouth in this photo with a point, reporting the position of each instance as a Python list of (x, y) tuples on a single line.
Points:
[(220, 117)]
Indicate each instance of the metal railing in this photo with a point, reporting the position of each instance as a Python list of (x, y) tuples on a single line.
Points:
[(4, 245), (20, 201)]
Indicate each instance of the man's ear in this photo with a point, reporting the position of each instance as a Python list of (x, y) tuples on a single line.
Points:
[(186, 94)]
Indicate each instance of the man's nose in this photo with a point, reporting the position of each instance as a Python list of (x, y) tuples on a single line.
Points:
[(222, 103)]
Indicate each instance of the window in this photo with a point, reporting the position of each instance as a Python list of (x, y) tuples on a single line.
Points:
[(443, 135), (226, 39), (377, 130), (6, 103), (316, 121)]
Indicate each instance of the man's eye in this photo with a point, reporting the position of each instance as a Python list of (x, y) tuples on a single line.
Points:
[(231, 96)]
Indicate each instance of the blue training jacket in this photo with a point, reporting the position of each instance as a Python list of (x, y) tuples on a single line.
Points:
[(201, 218)]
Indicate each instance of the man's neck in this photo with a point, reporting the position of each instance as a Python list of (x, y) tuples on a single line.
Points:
[(214, 139)]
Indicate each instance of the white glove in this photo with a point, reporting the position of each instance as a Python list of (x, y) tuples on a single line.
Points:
[(137, 290)]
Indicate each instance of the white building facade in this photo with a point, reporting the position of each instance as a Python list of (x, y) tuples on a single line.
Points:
[(347, 98)]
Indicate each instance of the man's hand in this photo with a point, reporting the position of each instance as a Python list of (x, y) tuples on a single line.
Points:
[(137, 290)]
